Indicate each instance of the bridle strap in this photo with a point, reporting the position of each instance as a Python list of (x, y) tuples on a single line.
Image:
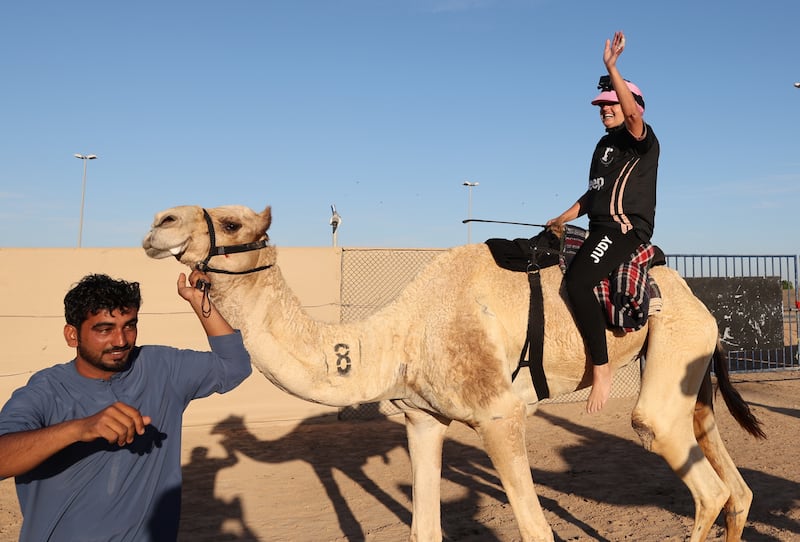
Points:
[(215, 250)]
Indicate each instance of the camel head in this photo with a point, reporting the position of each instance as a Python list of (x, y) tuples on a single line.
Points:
[(183, 232)]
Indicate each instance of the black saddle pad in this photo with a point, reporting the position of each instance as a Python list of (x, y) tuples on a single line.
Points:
[(520, 254)]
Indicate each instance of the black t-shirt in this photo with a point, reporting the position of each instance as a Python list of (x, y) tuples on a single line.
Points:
[(622, 182)]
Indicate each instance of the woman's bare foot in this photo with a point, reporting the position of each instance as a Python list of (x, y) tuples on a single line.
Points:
[(601, 388)]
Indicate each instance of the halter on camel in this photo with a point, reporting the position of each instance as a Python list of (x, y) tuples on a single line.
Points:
[(214, 250)]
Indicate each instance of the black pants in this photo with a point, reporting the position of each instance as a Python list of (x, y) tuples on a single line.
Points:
[(602, 252)]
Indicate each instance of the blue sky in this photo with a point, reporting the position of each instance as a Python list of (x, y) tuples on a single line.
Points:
[(384, 108)]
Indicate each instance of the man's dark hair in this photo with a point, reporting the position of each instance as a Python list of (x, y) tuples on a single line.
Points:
[(95, 293)]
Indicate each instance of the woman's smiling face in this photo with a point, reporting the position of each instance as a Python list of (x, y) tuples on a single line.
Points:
[(611, 114)]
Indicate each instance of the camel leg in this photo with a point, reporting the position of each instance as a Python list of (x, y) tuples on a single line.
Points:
[(663, 418), (705, 429), (502, 430), (425, 439), (679, 448)]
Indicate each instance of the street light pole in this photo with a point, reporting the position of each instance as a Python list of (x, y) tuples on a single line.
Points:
[(335, 220), (85, 158), (469, 210)]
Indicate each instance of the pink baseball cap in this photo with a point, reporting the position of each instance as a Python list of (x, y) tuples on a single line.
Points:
[(611, 96)]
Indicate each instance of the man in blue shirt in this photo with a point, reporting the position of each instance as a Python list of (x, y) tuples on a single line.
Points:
[(95, 443)]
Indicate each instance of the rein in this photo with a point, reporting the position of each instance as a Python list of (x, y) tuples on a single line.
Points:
[(215, 250), (468, 220)]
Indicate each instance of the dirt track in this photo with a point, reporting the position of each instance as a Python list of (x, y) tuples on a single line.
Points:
[(325, 480)]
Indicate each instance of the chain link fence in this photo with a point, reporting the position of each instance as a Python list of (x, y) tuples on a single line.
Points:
[(373, 278)]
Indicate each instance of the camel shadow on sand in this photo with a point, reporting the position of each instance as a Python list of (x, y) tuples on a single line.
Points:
[(330, 453), (641, 478)]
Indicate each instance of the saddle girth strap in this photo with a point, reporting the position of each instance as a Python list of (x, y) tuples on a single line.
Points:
[(533, 349)]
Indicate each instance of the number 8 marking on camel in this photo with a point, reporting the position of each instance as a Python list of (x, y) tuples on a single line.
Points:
[(343, 363)]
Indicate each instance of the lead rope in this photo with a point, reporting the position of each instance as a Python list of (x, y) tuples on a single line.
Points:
[(205, 305)]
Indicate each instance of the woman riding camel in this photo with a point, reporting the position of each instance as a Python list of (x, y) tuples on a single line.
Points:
[(621, 206)]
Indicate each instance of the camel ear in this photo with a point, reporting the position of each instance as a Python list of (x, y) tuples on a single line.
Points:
[(266, 217)]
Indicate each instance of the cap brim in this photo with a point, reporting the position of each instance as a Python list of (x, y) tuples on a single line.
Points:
[(607, 96)]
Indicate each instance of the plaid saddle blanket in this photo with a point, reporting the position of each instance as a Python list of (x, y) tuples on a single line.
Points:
[(629, 294)]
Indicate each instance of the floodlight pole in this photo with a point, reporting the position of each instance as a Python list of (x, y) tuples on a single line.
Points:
[(85, 158)]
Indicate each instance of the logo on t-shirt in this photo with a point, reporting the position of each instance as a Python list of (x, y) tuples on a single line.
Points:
[(596, 183), (607, 157)]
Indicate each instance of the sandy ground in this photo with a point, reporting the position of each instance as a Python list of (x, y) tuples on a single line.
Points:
[(327, 480)]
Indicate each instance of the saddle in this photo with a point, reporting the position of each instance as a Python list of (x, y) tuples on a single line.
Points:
[(629, 295)]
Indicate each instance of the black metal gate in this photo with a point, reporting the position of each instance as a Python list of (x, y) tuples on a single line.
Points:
[(783, 270)]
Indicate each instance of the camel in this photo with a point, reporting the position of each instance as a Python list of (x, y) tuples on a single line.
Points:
[(446, 349)]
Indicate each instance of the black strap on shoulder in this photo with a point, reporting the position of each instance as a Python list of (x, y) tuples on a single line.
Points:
[(533, 349), (532, 354)]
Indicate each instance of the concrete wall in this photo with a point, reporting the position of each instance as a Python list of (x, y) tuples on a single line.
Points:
[(33, 283)]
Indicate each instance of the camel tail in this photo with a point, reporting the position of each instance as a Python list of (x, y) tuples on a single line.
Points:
[(737, 406)]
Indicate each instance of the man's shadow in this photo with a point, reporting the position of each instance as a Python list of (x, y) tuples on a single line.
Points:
[(198, 493)]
